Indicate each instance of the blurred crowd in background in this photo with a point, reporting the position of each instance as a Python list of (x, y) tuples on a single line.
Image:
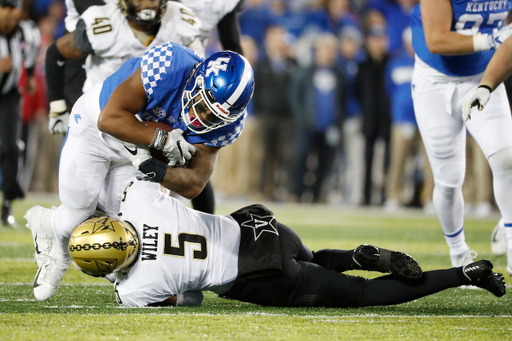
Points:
[(332, 118)]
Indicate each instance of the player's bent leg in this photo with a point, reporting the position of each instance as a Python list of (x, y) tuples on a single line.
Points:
[(368, 257)]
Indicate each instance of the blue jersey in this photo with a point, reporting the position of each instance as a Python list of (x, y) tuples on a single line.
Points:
[(164, 72), (469, 17)]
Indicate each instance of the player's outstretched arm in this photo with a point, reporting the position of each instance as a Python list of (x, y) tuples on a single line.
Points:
[(497, 71), (189, 181), (437, 20)]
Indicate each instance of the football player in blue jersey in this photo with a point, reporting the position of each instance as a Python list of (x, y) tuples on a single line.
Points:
[(454, 41), (203, 101), (498, 70)]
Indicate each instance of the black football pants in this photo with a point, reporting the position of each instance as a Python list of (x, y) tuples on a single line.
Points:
[(303, 283)]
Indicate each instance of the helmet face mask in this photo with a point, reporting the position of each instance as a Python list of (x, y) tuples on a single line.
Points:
[(102, 245), (217, 92), (144, 16)]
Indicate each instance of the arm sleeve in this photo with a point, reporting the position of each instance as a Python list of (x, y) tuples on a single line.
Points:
[(54, 73), (80, 38), (229, 32)]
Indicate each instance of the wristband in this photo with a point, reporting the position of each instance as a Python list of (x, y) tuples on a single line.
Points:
[(58, 107), (159, 139), (482, 42), (485, 87)]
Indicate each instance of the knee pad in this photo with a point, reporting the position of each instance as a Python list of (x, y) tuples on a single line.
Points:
[(443, 144), (501, 161)]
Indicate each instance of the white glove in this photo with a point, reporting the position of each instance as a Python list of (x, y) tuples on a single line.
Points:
[(478, 98), (59, 117), (500, 35), (487, 41), (177, 150)]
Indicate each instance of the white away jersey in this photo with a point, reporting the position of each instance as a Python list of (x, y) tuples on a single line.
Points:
[(210, 12), (113, 41), (181, 249)]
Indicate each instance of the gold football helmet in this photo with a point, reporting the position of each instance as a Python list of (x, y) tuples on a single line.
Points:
[(101, 245)]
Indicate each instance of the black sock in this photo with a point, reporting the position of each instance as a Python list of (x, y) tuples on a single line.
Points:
[(205, 201)]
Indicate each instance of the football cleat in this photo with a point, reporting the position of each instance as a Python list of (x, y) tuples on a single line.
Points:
[(43, 242), (372, 258), (480, 275), (499, 242), (50, 274), (463, 258)]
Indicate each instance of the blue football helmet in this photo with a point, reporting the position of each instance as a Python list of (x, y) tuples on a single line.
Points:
[(217, 92)]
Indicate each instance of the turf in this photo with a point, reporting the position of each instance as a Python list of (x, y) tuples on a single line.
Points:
[(85, 309)]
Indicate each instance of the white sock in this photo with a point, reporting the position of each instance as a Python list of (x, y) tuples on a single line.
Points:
[(449, 205), (457, 242)]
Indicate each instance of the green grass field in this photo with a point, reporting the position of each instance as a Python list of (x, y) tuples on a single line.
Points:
[(85, 309)]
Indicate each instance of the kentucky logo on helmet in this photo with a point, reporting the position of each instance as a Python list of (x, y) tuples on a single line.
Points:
[(216, 65)]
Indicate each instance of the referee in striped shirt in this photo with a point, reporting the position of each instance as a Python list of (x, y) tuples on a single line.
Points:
[(19, 44)]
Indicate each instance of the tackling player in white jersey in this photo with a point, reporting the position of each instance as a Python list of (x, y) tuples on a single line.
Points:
[(163, 253), (110, 35), (498, 70), (454, 40)]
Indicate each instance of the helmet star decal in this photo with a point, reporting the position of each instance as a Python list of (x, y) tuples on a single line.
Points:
[(216, 65), (261, 224)]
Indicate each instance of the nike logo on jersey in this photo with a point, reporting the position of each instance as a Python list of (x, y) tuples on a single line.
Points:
[(131, 151), (216, 65)]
